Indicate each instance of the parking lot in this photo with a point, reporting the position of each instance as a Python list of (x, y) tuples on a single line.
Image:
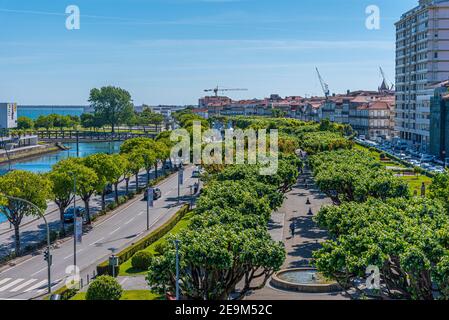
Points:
[(414, 159)]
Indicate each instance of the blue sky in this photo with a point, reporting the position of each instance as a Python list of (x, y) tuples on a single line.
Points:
[(168, 51)]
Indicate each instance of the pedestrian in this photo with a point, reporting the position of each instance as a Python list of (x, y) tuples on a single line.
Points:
[(293, 228)]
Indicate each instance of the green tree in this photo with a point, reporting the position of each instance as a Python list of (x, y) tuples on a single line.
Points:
[(25, 185), (44, 122), (62, 190), (214, 260), (104, 288), (87, 180), (112, 104), (25, 123), (118, 171), (149, 159), (89, 120), (405, 238), (106, 171), (136, 163)]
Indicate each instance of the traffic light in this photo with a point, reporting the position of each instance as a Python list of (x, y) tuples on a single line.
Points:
[(47, 256)]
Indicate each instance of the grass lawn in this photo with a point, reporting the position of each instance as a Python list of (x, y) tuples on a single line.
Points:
[(415, 182), (128, 295), (126, 268)]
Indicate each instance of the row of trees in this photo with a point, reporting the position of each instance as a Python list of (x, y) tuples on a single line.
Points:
[(93, 174), (353, 175), (227, 241), (112, 107), (48, 121), (376, 222)]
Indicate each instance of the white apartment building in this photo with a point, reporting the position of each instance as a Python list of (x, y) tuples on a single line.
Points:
[(8, 115), (422, 58)]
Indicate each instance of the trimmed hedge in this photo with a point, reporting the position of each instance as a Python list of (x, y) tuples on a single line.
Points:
[(126, 254)]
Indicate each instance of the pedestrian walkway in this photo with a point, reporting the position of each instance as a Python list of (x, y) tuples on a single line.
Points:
[(22, 285), (307, 237)]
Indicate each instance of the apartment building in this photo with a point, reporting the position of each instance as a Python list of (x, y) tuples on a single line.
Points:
[(422, 58), (8, 115)]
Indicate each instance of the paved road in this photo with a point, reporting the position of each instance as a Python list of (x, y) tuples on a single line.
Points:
[(33, 231), (123, 227)]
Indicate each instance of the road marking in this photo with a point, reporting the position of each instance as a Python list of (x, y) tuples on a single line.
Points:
[(94, 243), (115, 230), (140, 213), (4, 280), (23, 285), (71, 255), (39, 271), (129, 221), (11, 284), (36, 286)]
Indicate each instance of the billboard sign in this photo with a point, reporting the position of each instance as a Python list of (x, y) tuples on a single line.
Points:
[(79, 229)]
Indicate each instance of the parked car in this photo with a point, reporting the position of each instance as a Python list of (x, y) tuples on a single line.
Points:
[(196, 173), (427, 158), (109, 189), (69, 215), (156, 194), (167, 166)]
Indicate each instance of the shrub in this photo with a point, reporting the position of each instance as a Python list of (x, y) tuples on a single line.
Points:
[(160, 247), (104, 288), (68, 294), (141, 260)]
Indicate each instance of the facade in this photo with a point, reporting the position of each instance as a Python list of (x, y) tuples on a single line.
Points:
[(439, 121), (422, 58), (370, 113), (8, 115)]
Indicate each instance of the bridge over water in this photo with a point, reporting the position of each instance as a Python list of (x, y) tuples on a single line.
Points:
[(93, 136)]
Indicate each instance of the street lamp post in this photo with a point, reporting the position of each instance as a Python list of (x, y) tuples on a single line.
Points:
[(191, 197), (177, 268), (180, 180), (150, 195), (47, 255)]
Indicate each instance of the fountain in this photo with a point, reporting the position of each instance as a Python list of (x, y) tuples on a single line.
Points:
[(307, 280)]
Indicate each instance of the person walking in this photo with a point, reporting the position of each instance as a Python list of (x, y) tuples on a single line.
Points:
[(293, 228)]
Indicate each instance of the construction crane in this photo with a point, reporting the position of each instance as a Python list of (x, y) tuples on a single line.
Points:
[(324, 85), (382, 73), (218, 89)]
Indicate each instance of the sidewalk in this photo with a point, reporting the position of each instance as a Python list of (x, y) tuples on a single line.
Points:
[(307, 237)]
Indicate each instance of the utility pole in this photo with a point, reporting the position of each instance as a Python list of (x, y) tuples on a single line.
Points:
[(74, 220), (150, 194), (180, 180), (191, 197), (77, 144)]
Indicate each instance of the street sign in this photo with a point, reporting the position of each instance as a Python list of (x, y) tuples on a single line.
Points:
[(79, 229), (181, 176), (113, 261), (150, 197)]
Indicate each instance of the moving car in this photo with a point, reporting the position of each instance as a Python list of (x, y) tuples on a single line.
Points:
[(156, 194), (69, 215)]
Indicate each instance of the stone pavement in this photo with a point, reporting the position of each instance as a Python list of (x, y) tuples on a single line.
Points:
[(307, 237)]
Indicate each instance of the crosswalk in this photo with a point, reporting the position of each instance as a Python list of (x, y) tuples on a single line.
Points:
[(21, 285)]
